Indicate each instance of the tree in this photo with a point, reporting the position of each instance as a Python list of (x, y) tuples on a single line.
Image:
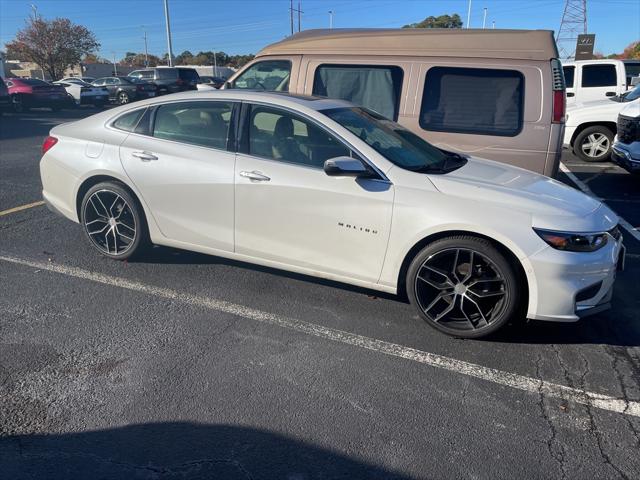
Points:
[(184, 58), (54, 45), (442, 21), (632, 52), (93, 58)]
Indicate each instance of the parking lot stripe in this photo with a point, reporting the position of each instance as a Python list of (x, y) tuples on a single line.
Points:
[(585, 189), (21, 207), (507, 379)]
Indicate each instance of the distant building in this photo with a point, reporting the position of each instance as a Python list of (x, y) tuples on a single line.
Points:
[(19, 69), (98, 70)]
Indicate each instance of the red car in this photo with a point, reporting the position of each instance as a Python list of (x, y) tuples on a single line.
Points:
[(26, 93)]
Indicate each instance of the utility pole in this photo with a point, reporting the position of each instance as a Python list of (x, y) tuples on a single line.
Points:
[(34, 9), (215, 64), (291, 15), (299, 16), (574, 22), (469, 15), (169, 47), (330, 18), (146, 52), (493, 24), (115, 65), (484, 18)]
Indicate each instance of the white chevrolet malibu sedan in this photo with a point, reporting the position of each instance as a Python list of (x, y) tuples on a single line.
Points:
[(331, 190)]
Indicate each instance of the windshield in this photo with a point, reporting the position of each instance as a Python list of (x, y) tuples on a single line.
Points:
[(394, 142)]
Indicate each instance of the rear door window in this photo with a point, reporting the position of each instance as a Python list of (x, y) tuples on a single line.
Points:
[(569, 73), (599, 76), (479, 101), (188, 74), (167, 73), (270, 75), (375, 87), (204, 124)]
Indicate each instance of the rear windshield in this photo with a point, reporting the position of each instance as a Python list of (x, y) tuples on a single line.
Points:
[(167, 73), (188, 74)]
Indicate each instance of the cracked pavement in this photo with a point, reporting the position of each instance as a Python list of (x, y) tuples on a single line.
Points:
[(102, 382)]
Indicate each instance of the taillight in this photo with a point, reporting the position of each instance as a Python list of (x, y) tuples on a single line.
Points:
[(559, 92), (48, 143)]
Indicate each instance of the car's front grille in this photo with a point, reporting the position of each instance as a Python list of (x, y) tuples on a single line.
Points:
[(628, 129)]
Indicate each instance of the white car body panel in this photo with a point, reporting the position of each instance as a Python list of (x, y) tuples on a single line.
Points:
[(75, 90), (307, 222), (597, 112)]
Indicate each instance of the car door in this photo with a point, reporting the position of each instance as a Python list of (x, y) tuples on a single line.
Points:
[(288, 210), (598, 82), (178, 159), (569, 72)]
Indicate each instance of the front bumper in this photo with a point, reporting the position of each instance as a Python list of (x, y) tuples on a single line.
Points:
[(568, 286), (626, 156)]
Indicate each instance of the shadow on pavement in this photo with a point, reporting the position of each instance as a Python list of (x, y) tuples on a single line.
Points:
[(176, 450)]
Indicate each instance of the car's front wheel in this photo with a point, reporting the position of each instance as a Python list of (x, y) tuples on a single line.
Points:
[(123, 98), (593, 144), (114, 221), (463, 286)]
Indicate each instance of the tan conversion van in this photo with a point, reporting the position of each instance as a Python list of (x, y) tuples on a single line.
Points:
[(496, 94)]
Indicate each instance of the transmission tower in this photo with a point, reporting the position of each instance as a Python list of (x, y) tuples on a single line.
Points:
[(574, 22)]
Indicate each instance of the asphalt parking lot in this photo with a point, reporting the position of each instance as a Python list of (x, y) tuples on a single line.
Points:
[(181, 365)]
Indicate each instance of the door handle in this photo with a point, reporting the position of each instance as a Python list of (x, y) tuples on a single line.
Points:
[(571, 94), (255, 176), (610, 94), (144, 156)]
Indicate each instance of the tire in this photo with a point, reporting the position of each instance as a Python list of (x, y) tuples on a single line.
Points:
[(113, 220), (122, 98), (593, 144), (17, 103), (474, 299)]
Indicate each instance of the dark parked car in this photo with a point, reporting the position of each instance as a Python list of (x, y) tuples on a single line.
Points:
[(124, 90), (215, 82), (169, 79), (27, 93), (4, 96)]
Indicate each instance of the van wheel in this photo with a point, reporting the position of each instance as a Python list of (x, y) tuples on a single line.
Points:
[(593, 144), (463, 286)]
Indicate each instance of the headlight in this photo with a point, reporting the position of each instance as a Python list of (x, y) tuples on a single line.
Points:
[(573, 242)]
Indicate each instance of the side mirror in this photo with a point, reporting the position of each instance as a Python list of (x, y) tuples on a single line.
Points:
[(347, 167)]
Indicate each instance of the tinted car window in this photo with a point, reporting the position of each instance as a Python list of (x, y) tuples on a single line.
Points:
[(632, 69), (473, 100), (272, 75), (33, 81), (188, 74), (111, 81), (568, 75), (374, 87), (99, 82), (599, 76), (128, 121), (279, 135), (197, 123), (166, 73)]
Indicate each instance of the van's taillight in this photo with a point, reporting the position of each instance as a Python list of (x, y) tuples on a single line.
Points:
[(48, 143), (559, 92), (559, 104)]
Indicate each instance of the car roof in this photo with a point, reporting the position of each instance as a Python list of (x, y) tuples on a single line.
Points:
[(432, 42), (276, 98)]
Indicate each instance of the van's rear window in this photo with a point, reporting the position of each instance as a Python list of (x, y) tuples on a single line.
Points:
[(479, 101)]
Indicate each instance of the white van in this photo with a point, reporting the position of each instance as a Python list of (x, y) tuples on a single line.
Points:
[(589, 80)]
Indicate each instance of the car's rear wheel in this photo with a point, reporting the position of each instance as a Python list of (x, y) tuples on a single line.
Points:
[(463, 286), (123, 98), (114, 221), (593, 144)]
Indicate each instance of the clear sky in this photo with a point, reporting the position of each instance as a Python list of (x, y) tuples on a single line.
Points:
[(244, 26)]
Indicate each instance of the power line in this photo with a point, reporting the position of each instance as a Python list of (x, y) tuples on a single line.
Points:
[(574, 23)]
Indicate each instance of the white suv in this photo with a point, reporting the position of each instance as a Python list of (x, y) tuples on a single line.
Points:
[(626, 149)]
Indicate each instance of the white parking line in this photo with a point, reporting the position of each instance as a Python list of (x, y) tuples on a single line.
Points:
[(512, 380), (585, 189)]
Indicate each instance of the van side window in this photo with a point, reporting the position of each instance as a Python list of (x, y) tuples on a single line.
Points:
[(270, 75), (599, 76), (569, 72), (377, 88), (480, 101)]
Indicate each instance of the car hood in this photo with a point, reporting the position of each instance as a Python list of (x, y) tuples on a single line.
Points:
[(515, 188)]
